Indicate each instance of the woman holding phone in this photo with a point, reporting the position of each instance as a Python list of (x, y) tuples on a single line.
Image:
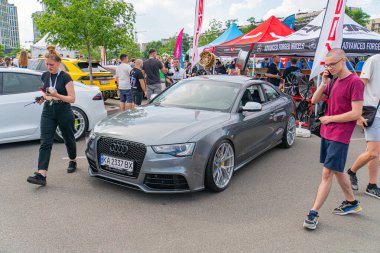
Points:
[(59, 94)]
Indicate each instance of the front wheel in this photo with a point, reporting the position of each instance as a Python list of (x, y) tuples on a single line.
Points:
[(220, 167), (80, 125), (289, 135)]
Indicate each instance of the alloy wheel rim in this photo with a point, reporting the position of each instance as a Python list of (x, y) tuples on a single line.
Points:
[(291, 130), (223, 165), (79, 125)]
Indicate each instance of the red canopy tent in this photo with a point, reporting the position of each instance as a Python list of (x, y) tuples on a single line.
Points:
[(271, 29)]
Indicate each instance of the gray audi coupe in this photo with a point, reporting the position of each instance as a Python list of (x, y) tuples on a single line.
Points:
[(192, 136)]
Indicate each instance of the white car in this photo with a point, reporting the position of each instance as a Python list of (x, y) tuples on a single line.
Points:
[(21, 122)]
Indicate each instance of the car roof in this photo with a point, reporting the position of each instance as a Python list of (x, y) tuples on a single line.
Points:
[(19, 70), (226, 78)]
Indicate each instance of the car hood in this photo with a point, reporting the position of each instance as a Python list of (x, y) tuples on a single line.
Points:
[(156, 125)]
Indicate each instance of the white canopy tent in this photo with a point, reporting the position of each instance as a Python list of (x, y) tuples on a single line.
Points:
[(40, 49), (357, 40)]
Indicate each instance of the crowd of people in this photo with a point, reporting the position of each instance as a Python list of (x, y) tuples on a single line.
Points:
[(345, 94)]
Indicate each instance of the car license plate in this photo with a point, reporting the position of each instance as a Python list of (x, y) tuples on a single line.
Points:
[(104, 82), (120, 165)]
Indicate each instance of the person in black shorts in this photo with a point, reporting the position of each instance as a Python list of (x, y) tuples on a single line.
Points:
[(57, 111), (138, 83)]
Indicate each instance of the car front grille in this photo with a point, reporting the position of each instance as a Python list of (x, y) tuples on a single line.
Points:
[(166, 182), (136, 152)]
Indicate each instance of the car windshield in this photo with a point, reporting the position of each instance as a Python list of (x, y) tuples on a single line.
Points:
[(200, 94), (96, 67)]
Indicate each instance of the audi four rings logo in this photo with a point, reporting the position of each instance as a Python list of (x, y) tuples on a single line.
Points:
[(119, 148)]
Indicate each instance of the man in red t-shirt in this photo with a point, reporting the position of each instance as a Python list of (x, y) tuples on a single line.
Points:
[(344, 108)]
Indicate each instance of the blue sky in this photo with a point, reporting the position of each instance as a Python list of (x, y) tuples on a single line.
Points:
[(164, 18)]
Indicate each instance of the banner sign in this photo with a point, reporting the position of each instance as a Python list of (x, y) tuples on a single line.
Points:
[(178, 48), (197, 30), (331, 34), (357, 40)]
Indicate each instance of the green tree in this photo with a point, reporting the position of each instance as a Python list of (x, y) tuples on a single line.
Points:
[(94, 53), (168, 47), (358, 15), (251, 20), (2, 51), (229, 22), (89, 24), (153, 44), (15, 51), (132, 49), (252, 25), (213, 32), (185, 43)]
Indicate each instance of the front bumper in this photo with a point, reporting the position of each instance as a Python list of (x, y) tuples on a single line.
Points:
[(159, 173)]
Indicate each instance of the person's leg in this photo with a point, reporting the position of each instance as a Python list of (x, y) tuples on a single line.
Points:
[(123, 99), (372, 188), (66, 125), (371, 154), (139, 98), (323, 189), (129, 104), (157, 88), (344, 183), (149, 91), (373, 167), (48, 128)]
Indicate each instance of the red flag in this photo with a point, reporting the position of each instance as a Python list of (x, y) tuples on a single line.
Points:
[(331, 34), (197, 30)]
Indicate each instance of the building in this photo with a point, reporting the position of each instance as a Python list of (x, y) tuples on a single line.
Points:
[(9, 30), (14, 36), (374, 25), (36, 33), (304, 18)]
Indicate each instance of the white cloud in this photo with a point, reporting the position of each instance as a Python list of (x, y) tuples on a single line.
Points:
[(245, 5), (288, 7), (165, 18)]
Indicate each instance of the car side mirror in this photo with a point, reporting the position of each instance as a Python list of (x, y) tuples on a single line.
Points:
[(252, 107)]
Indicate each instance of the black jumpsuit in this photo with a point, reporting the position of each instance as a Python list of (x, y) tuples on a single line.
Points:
[(56, 114)]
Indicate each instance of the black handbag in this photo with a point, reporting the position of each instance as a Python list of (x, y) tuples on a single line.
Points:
[(369, 113), (315, 123)]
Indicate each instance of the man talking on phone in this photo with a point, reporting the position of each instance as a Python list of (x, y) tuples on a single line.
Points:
[(345, 104)]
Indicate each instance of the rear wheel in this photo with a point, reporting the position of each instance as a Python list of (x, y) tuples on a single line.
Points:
[(106, 95), (80, 125), (220, 167)]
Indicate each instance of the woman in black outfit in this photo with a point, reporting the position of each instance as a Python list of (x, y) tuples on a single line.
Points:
[(57, 111)]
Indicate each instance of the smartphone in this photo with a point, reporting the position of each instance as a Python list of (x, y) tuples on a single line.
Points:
[(43, 91), (330, 75)]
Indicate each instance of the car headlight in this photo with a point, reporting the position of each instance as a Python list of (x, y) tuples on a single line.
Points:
[(180, 150), (91, 137)]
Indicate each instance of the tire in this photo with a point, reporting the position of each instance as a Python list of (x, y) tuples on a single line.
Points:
[(289, 135), (214, 167), (105, 95), (81, 125)]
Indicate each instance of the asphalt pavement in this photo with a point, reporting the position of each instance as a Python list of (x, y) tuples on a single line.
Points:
[(261, 211)]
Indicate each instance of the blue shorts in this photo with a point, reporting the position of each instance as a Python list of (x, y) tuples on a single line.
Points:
[(333, 155), (372, 133), (126, 96)]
